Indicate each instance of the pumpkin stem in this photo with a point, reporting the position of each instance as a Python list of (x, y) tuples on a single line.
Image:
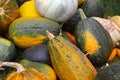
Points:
[(18, 66), (50, 35), (82, 14)]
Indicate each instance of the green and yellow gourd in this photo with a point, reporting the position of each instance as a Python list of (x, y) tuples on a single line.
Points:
[(46, 70), (27, 32), (93, 40), (68, 61)]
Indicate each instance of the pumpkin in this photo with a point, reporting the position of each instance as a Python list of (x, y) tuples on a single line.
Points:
[(93, 8), (28, 32), (57, 10), (8, 13), (7, 50), (38, 53), (110, 72), (68, 61), (41, 67), (93, 40), (22, 73)]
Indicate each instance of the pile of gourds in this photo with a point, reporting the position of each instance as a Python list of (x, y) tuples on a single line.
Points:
[(67, 40)]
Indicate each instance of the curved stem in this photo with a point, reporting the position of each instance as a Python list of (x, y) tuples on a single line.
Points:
[(18, 66), (82, 14)]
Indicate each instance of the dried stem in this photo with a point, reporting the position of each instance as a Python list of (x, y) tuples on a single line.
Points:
[(50, 35), (18, 66)]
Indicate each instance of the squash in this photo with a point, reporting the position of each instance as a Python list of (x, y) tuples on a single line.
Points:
[(38, 53), (8, 13), (110, 72), (93, 40), (116, 20), (93, 8), (7, 50), (57, 10), (112, 29), (41, 67), (28, 32), (68, 61), (22, 73)]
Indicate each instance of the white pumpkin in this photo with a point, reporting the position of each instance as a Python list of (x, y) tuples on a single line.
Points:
[(57, 10)]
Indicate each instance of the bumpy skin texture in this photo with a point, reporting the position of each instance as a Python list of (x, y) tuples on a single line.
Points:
[(8, 13), (109, 73), (92, 38)]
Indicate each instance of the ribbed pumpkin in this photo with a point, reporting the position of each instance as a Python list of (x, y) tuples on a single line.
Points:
[(93, 40), (8, 13), (41, 67), (27, 32), (68, 61), (22, 73), (7, 50)]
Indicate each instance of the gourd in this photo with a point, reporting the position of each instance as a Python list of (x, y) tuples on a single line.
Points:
[(57, 10), (116, 20), (110, 72), (41, 67), (7, 50), (28, 32), (8, 13), (93, 8), (22, 73), (38, 53), (68, 61), (93, 40), (111, 27)]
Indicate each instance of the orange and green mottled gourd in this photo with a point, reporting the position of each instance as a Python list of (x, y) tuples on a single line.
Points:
[(68, 61), (8, 13), (28, 32), (22, 73)]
